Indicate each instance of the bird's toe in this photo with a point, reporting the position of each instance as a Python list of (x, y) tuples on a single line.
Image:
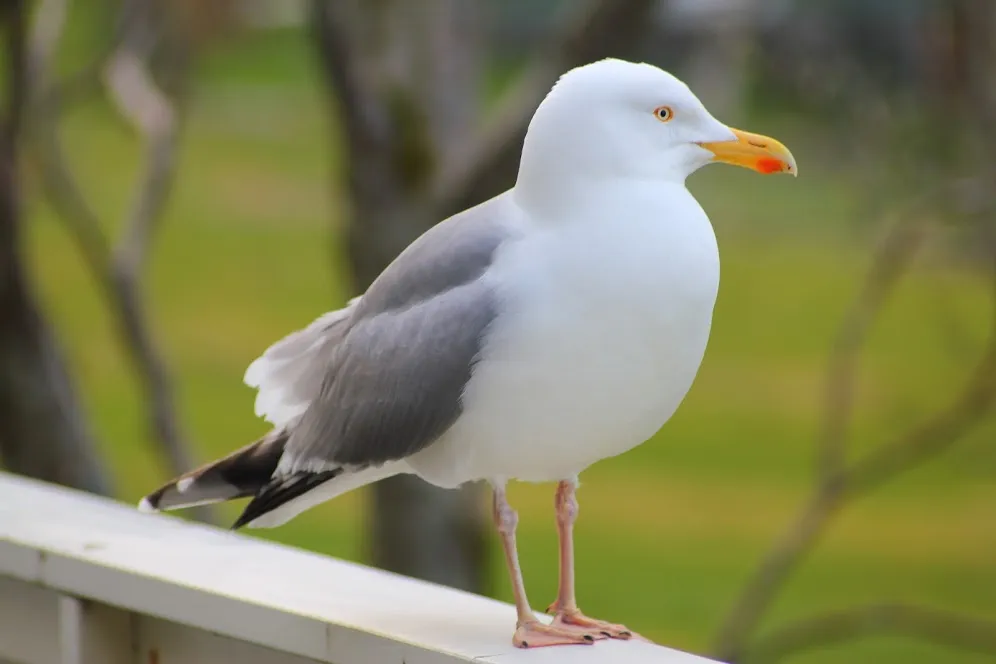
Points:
[(578, 621), (534, 634)]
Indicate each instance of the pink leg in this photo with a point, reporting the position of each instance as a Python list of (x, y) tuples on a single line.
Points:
[(529, 632), (565, 609)]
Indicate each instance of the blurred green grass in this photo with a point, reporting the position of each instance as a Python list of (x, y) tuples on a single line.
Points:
[(249, 251)]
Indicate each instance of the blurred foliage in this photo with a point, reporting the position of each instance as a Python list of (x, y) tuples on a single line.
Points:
[(669, 532)]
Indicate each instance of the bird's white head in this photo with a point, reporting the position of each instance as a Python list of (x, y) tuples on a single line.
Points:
[(614, 118)]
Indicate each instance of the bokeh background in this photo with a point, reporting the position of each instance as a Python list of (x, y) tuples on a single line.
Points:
[(191, 181)]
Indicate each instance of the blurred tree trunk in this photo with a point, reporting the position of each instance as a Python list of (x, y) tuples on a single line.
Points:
[(407, 87), (42, 431), (720, 57), (404, 76), (970, 54)]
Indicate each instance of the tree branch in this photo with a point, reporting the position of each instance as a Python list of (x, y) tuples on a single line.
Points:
[(43, 40), (937, 434), (592, 30), (837, 482), (117, 269), (784, 557), (42, 431), (365, 118), (941, 627), (153, 115), (972, 199), (42, 44), (891, 259), (64, 194), (13, 15)]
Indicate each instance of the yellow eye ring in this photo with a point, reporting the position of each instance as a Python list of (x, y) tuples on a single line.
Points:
[(664, 113)]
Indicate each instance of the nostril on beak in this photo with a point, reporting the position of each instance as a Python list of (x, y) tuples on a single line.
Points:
[(758, 144)]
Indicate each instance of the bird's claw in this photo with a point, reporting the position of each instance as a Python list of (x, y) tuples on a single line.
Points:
[(534, 634), (578, 622)]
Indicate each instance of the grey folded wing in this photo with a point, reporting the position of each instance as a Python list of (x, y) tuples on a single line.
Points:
[(392, 382)]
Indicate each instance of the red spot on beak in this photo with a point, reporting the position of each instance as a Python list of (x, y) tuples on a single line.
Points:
[(768, 165)]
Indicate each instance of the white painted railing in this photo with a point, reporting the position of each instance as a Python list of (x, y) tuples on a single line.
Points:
[(85, 580)]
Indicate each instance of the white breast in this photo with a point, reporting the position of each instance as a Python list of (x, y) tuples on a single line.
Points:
[(602, 329)]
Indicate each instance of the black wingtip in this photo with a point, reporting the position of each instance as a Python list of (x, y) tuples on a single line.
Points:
[(240, 474), (280, 491), (243, 519)]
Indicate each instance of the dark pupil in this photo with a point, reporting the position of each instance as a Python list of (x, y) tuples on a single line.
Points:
[(663, 113)]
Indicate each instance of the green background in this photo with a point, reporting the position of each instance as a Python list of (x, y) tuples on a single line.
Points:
[(250, 250)]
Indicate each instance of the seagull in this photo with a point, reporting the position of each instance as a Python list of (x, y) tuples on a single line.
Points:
[(557, 324)]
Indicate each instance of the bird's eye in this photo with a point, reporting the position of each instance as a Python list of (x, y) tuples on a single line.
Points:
[(664, 113)]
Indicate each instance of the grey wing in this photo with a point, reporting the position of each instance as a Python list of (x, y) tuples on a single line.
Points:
[(395, 381), (290, 373)]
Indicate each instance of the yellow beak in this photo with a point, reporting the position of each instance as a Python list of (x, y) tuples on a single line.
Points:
[(760, 153)]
